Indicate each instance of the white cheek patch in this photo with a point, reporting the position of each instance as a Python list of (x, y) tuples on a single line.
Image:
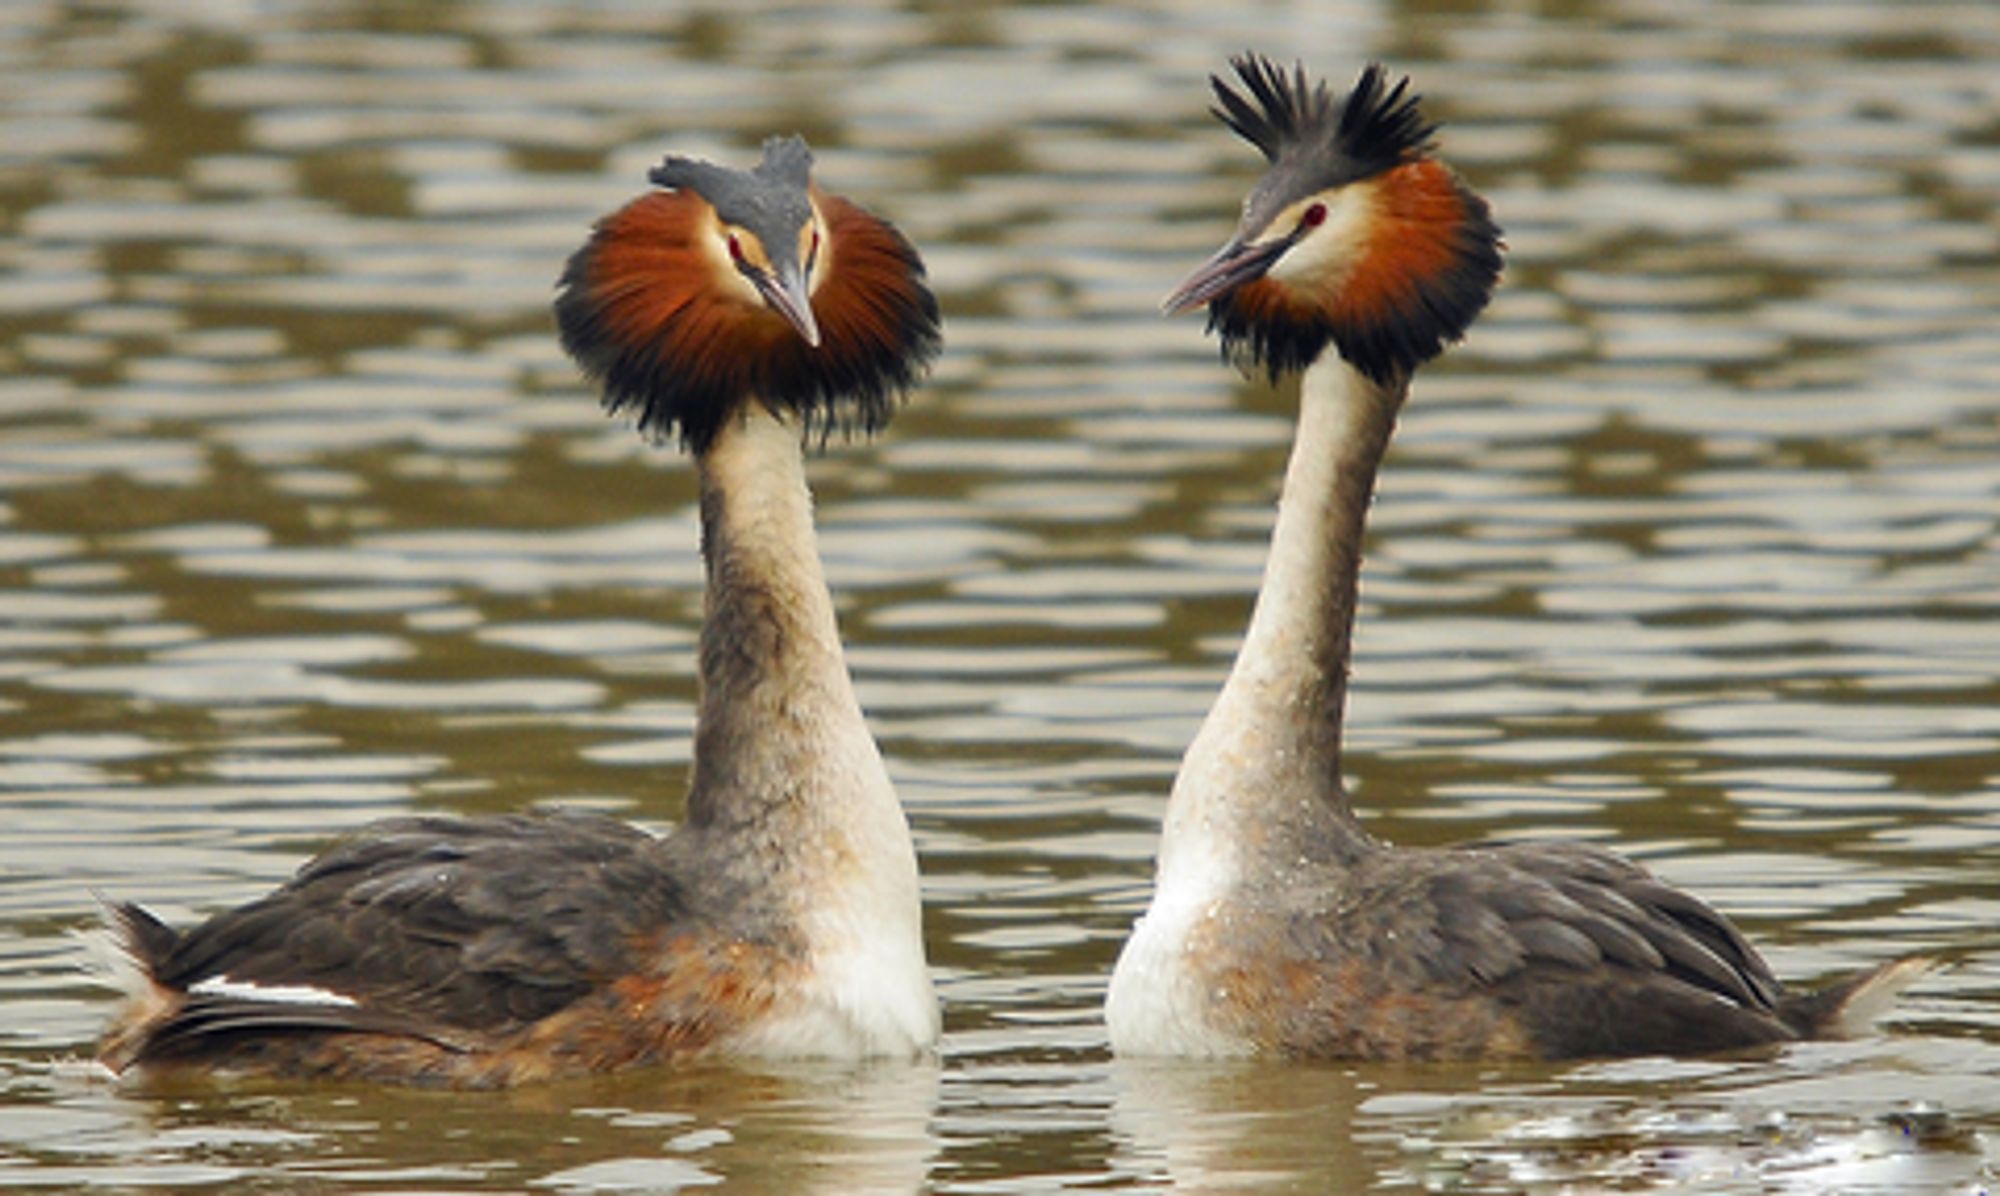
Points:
[(714, 242), (1323, 259), (816, 273), (276, 994)]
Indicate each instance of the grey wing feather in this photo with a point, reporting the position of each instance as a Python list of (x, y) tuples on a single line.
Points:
[(1640, 922), (1481, 916), (437, 927)]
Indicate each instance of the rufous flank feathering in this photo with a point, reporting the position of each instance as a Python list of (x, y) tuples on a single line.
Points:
[(1278, 926), (742, 312)]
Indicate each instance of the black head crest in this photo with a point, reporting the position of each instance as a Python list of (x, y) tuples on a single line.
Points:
[(1312, 143), (1430, 257), (1280, 112), (642, 307), (771, 199)]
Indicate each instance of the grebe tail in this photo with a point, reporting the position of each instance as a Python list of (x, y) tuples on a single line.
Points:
[(742, 313), (1278, 925)]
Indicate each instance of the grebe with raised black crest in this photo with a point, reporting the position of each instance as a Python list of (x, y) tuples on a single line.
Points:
[(1278, 926)]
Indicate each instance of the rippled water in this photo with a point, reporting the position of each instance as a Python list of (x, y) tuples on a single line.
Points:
[(1691, 549)]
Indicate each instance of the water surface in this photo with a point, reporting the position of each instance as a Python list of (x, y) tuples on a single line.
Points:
[(1691, 550)]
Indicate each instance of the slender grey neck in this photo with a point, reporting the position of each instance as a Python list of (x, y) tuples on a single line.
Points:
[(782, 753), (1263, 773), (793, 834)]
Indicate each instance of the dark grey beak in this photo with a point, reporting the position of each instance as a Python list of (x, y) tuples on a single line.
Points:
[(785, 293), (1233, 265)]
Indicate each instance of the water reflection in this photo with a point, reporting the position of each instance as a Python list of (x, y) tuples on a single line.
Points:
[(1210, 1126), (1215, 1126), (793, 1128)]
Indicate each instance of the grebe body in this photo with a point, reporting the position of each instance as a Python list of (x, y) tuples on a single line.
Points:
[(1278, 926), (745, 313)]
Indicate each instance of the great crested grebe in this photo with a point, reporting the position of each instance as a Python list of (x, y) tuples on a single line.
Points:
[(743, 312), (1278, 926)]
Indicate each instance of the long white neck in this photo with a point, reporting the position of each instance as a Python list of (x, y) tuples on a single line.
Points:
[(781, 750), (1262, 778), (791, 810)]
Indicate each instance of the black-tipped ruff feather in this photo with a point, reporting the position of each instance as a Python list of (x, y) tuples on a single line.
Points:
[(1298, 934), (1426, 253), (644, 309)]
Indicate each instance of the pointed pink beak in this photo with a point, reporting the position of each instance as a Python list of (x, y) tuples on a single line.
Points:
[(1233, 265)]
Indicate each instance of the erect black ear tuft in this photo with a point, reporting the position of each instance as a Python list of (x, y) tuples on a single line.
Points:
[(770, 199), (1381, 126), (787, 160), (1288, 116), (1279, 112)]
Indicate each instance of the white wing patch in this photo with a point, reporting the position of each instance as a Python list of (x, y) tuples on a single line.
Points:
[(279, 994)]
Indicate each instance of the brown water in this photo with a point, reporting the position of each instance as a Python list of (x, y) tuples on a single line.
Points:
[(1693, 549)]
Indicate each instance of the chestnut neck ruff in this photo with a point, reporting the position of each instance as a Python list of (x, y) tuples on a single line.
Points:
[(639, 310)]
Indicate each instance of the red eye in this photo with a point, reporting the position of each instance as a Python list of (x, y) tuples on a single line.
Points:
[(1314, 217), (735, 250), (812, 255)]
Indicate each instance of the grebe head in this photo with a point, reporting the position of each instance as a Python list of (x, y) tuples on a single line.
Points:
[(1356, 235), (739, 285)]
